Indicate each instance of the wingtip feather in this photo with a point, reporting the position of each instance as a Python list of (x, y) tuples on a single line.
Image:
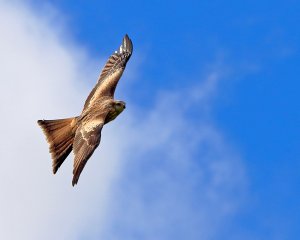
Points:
[(74, 181), (126, 45)]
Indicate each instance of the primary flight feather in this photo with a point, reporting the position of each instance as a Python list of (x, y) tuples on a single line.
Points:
[(82, 134)]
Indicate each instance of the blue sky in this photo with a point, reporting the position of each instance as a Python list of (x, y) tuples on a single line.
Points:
[(257, 42), (209, 82)]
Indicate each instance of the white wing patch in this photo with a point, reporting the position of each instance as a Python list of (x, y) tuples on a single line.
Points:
[(92, 124)]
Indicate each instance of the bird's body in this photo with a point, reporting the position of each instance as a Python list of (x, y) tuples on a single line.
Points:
[(82, 134)]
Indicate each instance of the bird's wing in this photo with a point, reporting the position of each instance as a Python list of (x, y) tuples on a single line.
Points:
[(111, 72), (87, 139)]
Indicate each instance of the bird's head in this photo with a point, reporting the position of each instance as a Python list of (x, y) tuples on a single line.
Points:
[(119, 106)]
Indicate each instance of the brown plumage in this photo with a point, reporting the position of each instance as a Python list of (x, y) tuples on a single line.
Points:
[(82, 134)]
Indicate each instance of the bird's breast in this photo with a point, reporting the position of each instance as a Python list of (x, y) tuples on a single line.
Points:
[(112, 114)]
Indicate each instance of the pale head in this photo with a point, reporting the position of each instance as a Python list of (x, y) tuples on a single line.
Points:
[(119, 106)]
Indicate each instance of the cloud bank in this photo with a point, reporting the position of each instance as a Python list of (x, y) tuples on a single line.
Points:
[(160, 173), (39, 72)]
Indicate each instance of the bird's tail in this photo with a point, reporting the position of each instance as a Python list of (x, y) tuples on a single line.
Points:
[(60, 134)]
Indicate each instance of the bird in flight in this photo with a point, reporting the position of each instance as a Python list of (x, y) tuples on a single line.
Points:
[(82, 134)]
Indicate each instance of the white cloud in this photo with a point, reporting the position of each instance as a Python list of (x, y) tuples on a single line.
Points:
[(39, 74), (144, 181)]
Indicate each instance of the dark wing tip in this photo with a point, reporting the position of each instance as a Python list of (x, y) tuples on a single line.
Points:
[(75, 180), (126, 45), (74, 183)]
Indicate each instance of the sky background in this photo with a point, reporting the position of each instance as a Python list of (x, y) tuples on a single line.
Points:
[(208, 147)]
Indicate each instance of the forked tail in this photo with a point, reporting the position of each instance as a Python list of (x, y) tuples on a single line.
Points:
[(60, 134)]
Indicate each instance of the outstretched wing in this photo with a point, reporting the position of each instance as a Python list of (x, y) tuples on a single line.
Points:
[(111, 72), (87, 139)]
